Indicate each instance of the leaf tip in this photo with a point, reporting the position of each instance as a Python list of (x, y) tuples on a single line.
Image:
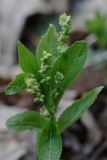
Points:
[(100, 88), (18, 43), (51, 25), (6, 91)]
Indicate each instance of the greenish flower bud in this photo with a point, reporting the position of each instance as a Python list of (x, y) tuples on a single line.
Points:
[(42, 96), (30, 90), (36, 100), (38, 94), (36, 87), (32, 84), (54, 91), (47, 66), (44, 53), (33, 88), (46, 60), (64, 20), (56, 95), (48, 78), (63, 38), (53, 110), (59, 78), (41, 99), (46, 57), (42, 59), (43, 81), (65, 24), (42, 70), (30, 80), (44, 112)]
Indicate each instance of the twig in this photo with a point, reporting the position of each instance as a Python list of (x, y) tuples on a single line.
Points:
[(98, 150)]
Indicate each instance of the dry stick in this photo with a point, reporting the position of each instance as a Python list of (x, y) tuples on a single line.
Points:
[(99, 150)]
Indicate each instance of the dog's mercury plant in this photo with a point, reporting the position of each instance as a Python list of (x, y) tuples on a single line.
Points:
[(47, 76)]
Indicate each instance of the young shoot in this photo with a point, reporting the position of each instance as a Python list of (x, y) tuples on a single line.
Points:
[(47, 75)]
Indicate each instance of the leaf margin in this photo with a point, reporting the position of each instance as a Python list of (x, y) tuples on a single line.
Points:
[(61, 118), (21, 118)]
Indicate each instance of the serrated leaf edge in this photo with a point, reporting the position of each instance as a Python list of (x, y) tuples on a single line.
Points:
[(39, 137), (25, 58), (21, 122), (72, 65), (100, 88), (12, 82), (78, 54)]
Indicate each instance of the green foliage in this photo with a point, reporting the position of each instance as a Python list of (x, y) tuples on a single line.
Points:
[(26, 59), (29, 120), (98, 26), (17, 85), (69, 65), (49, 145), (75, 111), (49, 43), (47, 76)]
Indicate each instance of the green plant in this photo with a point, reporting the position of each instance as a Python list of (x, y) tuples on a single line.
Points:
[(98, 26), (47, 76)]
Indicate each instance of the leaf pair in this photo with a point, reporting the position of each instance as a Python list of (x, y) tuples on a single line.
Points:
[(49, 144), (29, 120)]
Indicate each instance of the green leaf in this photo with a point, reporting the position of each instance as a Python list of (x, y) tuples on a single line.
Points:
[(49, 43), (29, 120), (70, 63), (75, 111), (49, 144), (26, 59), (39, 51), (52, 40), (17, 85)]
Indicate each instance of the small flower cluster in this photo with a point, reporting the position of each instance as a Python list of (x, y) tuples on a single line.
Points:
[(59, 79), (55, 93), (44, 112), (46, 79), (46, 62), (65, 24), (33, 87)]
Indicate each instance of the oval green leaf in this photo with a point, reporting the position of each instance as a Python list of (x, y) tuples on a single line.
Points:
[(29, 120)]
